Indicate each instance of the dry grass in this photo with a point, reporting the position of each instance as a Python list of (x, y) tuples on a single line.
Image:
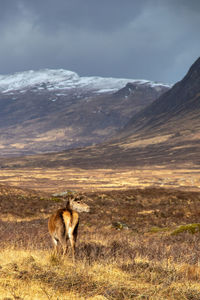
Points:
[(125, 248), (101, 179), (112, 271)]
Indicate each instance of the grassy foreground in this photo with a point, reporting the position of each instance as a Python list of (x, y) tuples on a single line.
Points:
[(130, 246), (36, 274)]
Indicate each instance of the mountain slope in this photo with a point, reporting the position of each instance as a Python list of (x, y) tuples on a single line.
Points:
[(53, 110), (165, 133), (182, 101)]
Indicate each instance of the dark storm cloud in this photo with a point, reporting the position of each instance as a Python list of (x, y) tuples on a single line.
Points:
[(85, 15), (154, 39)]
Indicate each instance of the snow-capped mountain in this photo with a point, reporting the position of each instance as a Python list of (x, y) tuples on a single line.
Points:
[(63, 79), (53, 110)]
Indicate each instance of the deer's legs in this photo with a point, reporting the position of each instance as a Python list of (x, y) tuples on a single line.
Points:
[(63, 241), (56, 246), (72, 242)]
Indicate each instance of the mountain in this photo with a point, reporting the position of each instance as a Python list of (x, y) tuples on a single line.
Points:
[(165, 133), (177, 105), (168, 130), (52, 110)]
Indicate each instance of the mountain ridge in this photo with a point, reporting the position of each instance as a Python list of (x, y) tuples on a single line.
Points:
[(53, 79), (183, 97), (164, 134), (53, 110)]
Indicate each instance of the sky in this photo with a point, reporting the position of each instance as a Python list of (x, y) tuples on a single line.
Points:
[(140, 39)]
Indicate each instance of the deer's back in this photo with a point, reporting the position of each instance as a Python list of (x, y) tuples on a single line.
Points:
[(62, 220)]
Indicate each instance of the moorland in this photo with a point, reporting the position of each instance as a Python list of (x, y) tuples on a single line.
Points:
[(141, 238), (136, 242)]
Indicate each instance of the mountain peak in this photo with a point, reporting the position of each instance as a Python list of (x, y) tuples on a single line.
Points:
[(177, 103), (55, 79), (195, 65), (194, 72), (27, 79)]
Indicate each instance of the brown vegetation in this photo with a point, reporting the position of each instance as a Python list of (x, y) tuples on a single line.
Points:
[(45, 179), (125, 250)]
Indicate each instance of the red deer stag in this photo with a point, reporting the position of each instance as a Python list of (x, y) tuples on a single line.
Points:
[(63, 224)]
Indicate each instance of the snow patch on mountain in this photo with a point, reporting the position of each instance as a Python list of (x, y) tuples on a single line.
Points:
[(61, 79)]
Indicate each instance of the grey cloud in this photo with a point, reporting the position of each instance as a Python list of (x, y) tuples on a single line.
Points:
[(152, 39), (89, 14)]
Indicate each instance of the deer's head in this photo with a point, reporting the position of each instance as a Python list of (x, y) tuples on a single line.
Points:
[(77, 203)]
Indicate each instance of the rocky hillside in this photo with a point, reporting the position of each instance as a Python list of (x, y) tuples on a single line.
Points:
[(171, 111), (52, 110)]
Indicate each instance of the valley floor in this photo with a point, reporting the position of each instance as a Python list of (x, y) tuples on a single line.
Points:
[(61, 179)]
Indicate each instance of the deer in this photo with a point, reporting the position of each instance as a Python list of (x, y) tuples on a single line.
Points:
[(63, 224)]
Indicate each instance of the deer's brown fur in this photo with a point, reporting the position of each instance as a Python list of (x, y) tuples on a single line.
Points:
[(63, 225)]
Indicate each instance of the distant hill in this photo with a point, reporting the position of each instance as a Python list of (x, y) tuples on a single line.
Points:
[(53, 110), (173, 110), (165, 133)]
